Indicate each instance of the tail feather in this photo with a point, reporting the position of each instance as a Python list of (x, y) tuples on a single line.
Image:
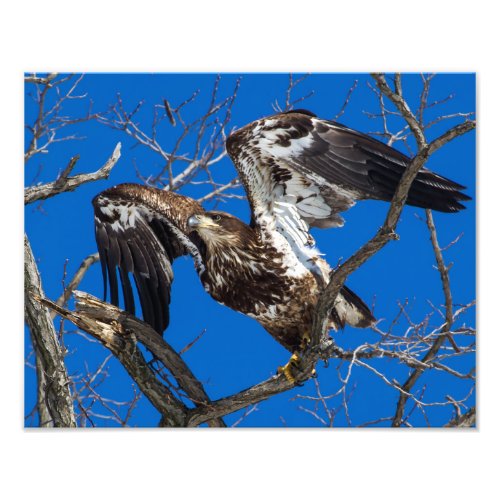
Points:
[(350, 309)]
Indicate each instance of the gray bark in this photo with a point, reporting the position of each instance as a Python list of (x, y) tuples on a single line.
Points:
[(55, 403)]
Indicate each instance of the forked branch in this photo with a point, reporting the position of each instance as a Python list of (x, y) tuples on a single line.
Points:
[(65, 183)]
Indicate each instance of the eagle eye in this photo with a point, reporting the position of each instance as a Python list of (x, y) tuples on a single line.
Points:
[(216, 218)]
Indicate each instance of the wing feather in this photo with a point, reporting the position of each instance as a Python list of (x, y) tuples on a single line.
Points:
[(128, 294), (322, 167), (140, 231)]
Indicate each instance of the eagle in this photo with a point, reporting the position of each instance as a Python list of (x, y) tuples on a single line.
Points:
[(298, 172)]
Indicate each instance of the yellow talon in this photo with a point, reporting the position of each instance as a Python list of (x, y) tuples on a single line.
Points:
[(293, 363)]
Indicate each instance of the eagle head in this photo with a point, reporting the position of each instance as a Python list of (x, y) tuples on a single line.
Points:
[(220, 228)]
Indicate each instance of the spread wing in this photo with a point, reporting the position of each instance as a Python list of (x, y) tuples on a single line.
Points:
[(305, 170), (141, 230)]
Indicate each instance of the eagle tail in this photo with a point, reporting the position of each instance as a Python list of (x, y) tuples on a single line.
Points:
[(350, 309)]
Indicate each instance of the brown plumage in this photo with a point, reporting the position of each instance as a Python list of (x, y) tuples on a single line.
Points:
[(298, 171)]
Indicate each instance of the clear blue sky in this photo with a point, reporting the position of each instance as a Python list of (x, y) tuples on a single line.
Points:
[(235, 352)]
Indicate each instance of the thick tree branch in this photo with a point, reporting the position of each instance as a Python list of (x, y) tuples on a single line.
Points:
[(93, 316), (44, 417), (104, 312), (122, 342), (65, 183), (247, 397), (54, 397)]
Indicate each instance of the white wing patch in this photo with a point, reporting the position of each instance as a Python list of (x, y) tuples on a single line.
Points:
[(128, 216), (269, 142), (305, 195)]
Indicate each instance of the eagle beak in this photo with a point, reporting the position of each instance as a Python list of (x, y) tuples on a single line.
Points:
[(199, 221), (193, 222)]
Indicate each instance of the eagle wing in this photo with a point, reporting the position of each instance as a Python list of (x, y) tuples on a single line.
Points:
[(141, 230), (305, 170)]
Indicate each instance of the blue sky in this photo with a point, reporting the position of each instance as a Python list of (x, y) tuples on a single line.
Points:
[(235, 352)]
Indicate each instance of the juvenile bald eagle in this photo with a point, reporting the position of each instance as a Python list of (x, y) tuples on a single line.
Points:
[(298, 172)]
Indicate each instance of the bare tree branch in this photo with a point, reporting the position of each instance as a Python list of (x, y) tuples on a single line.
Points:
[(407, 386), (346, 100), (208, 131), (289, 103), (49, 122), (64, 184)]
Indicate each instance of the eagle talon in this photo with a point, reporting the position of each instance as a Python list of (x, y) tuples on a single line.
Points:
[(294, 363), (287, 370)]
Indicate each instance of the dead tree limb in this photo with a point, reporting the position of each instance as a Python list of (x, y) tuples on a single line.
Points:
[(122, 343), (54, 398), (109, 324), (50, 94)]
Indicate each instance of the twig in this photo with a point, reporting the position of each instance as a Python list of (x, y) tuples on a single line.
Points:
[(397, 98), (75, 281), (346, 100)]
